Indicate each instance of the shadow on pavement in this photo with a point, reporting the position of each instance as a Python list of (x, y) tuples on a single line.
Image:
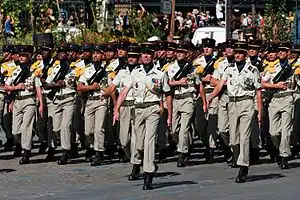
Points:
[(164, 174), (294, 165), (254, 178), (4, 171), (170, 184)]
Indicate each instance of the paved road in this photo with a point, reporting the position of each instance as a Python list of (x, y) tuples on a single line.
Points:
[(77, 181)]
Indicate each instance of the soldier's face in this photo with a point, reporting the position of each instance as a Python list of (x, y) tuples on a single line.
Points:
[(239, 56), (133, 60), (97, 56), (161, 53), (283, 54), (62, 56), (253, 52), (170, 53), (229, 52), (181, 55), (7, 56), (39, 57), (207, 51), (122, 53), (272, 56), (294, 55), (15, 56), (147, 58), (86, 55), (24, 58), (109, 55), (72, 54)]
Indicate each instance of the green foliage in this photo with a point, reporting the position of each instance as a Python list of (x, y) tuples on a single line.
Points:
[(277, 25)]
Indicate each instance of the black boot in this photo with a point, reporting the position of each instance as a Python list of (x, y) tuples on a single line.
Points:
[(163, 154), (254, 156), (182, 160), (284, 163), (89, 154), (50, 155), (148, 179), (236, 153), (65, 158), (18, 150), (98, 159), (74, 151), (43, 147), (209, 155), (228, 155), (242, 176), (25, 159), (122, 155), (135, 173), (8, 146)]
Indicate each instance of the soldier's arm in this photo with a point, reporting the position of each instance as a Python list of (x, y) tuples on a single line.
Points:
[(121, 98), (11, 88), (217, 90), (169, 101), (268, 85), (203, 96), (181, 82), (214, 82), (49, 86), (114, 98), (81, 87), (40, 99), (259, 104), (110, 89)]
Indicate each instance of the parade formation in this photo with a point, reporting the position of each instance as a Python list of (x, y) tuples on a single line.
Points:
[(146, 102)]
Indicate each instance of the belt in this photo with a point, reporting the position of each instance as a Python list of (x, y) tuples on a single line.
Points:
[(94, 98), (183, 96), (64, 96), (242, 98), (146, 104), (283, 94), (209, 90), (24, 97), (128, 103)]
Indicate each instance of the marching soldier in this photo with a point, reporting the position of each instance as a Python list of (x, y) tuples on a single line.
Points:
[(279, 80), (205, 67), (92, 82), (183, 81), (61, 81), (243, 83), (147, 84), (25, 86), (223, 119)]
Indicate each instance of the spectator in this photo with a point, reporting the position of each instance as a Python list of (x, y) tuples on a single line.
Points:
[(219, 11), (8, 26), (70, 20)]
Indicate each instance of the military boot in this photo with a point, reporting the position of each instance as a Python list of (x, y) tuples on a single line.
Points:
[(65, 158), (43, 147), (135, 173), (236, 153), (8, 146), (18, 150), (242, 176), (74, 150), (182, 160), (209, 155), (50, 155), (25, 159), (98, 159), (89, 153), (148, 181), (284, 163)]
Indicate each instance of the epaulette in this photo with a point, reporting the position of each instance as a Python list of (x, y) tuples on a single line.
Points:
[(35, 65), (165, 67), (216, 64), (79, 71), (271, 65)]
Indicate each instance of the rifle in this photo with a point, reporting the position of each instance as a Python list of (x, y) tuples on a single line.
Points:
[(97, 76), (283, 75), (59, 76), (46, 68), (209, 68), (183, 72)]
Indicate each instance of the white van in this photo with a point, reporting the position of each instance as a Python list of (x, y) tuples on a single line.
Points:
[(217, 33)]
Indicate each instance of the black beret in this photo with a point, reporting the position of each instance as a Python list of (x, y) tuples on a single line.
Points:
[(171, 46), (255, 44), (123, 44), (284, 45), (241, 46), (63, 48), (74, 47), (208, 42), (8, 48), (16, 49), (148, 48), (26, 49), (221, 46), (272, 47), (230, 43), (87, 47), (134, 51), (100, 47), (161, 45), (111, 47)]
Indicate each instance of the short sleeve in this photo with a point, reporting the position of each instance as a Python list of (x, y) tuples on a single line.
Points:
[(226, 74), (216, 74), (267, 76), (49, 79), (37, 82), (165, 83), (82, 79), (117, 79), (257, 79)]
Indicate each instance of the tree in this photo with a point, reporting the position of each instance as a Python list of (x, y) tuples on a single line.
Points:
[(277, 24)]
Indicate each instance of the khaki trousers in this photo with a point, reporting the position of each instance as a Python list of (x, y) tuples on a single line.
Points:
[(41, 122), (52, 138), (210, 137), (146, 125), (62, 120), (5, 117), (223, 118), (23, 118), (183, 110), (295, 137), (240, 117), (280, 115), (95, 120)]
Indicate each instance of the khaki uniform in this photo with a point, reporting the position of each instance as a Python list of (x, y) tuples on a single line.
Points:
[(281, 113), (241, 90), (63, 108), (127, 134), (183, 107), (147, 89), (95, 111), (295, 139), (223, 117), (24, 110), (210, 136)]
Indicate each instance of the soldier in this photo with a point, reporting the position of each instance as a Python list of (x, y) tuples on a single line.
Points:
[(123, 51), (61, 81), (183, 80), (92, 82), (25, 87), (243, 82), (7, 65), (205, 67), (281, 89), (147, 84), (223, 119)]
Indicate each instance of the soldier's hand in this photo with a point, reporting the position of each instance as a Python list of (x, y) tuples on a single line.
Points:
[(11, 107), (116, 117), (41, 110), (183, 80), (281, 85), (95, 86), (169, 122), (60, 83), (205, 107), (207, 78)]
